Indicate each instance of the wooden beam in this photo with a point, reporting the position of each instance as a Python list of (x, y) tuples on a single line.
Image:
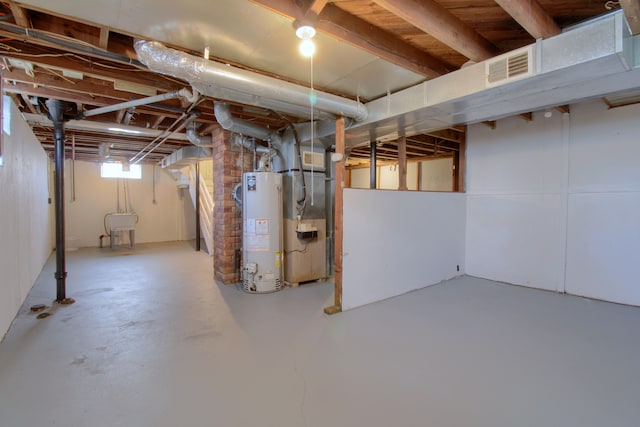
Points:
[(532, 17), (157, 122), (316, 6), (103, 43), (490, 123), (460, 167), (32, 109), (120, 115), (91, 68), (19, 15), (352, 30), (337, 233), (434, 19), (526, 116), (632, 12), (563, 108), (402, 163), (446, 134)]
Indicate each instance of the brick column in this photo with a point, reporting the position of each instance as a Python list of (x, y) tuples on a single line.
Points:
[(227, 235)]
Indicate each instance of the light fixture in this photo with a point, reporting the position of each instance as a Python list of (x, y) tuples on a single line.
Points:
[(548, 113), (305, 32), (307, 48)]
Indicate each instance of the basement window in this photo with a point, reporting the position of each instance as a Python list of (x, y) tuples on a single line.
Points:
[(117, 170)]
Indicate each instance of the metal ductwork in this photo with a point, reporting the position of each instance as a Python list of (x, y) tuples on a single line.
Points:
[(233, 124), (185, 156), (587, 61), (223, 81), (196, 139), (321, 128)]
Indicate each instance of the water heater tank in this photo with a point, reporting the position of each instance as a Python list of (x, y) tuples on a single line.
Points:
[(262, 241)]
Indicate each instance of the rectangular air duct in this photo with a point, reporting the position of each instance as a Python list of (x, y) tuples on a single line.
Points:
[(590, 60)]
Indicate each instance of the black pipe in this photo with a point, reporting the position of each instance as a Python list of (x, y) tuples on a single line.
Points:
[(373, 171), (56, 113), (198, 206)]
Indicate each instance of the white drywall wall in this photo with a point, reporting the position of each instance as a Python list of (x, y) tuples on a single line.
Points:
[(553, 203), (171, 217), (24, 214), (515, 220), (397, 241), (603, 244)]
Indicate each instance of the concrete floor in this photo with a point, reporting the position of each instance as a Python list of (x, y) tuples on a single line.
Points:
[(152, 341)]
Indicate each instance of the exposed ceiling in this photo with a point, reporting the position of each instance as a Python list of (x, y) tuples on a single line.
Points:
[(82, 51)]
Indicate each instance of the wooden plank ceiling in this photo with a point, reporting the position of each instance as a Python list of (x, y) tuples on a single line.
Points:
[(49, 56)]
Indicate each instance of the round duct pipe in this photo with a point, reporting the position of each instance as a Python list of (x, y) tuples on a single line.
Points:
[(214, 79)]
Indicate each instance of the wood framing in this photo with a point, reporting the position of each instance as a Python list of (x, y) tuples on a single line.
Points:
[(338, 224), (402, 163), (532, 17), (434, 19)]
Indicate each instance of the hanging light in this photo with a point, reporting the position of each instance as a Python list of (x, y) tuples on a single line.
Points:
[(305, 32), (307, 48)]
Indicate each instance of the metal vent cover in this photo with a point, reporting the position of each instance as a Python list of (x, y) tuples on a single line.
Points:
[(512, 66)]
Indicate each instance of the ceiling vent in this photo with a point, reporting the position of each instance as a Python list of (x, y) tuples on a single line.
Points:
[(509, 67)]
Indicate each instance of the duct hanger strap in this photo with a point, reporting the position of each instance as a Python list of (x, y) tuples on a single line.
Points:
[(270, 92)]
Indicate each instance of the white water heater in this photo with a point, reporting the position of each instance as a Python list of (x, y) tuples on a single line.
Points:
[(262, 241)]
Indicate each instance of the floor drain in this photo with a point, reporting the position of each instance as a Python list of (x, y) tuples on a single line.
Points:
[(43, 315), (38, 307)]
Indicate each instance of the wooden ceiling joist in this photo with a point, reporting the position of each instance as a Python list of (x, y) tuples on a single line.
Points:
[(355, 31), (532, 17), (437, 21), (316, 7), (632, 12), (19, 15)]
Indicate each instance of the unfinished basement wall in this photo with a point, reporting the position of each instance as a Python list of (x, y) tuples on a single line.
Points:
[(24, 213), (399, 241), (426, 175), (165, 212), (553, 203)]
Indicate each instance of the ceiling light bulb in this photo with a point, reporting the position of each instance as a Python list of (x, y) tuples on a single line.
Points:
[(305, 32), (547, 113), (307, 48)]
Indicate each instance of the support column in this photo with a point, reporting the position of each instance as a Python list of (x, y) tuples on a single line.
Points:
[(229, 162), (373, 167), (459, 165), (56, 114), (337, 233), (402, 163)]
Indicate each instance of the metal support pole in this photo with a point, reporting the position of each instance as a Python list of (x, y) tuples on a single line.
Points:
[(373, 174), (198, 206), (56, 110)]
